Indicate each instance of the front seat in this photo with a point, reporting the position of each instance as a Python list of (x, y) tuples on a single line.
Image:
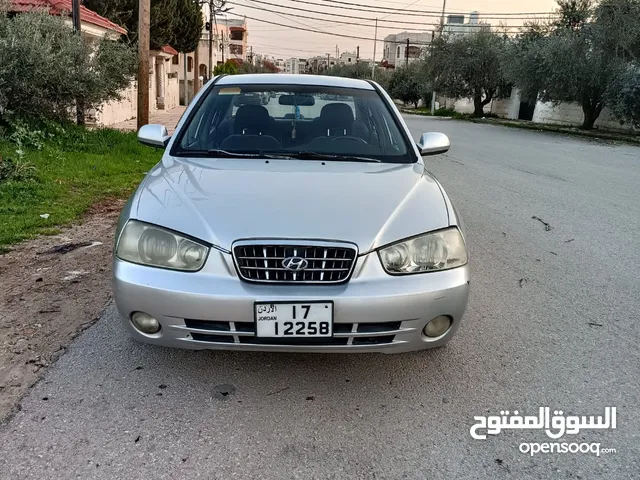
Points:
[(336, 119), (254, 120)]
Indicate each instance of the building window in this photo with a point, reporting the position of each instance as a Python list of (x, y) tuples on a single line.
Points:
[(398, 52), (189, 64), (237, 35), (235, 49), (175, 60)]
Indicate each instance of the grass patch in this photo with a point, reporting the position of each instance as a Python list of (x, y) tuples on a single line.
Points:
[(74, 169), (600, 134)]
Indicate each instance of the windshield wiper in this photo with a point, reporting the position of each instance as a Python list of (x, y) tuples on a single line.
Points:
[(226, 154), (216, 152), (304, 155)]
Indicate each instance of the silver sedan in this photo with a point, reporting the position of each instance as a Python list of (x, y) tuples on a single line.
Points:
[(306, 223)]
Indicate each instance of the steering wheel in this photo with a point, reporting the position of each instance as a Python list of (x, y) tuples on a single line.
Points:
[(349, 138)]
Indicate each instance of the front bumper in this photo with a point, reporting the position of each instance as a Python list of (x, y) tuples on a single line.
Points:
[(214, 309)]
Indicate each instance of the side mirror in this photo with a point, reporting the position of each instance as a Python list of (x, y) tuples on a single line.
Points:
[(154, 135), (433, 143)]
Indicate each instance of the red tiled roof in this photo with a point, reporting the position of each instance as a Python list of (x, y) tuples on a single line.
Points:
[(58, 7), (169, 49)]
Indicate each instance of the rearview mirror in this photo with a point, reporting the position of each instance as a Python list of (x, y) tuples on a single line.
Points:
[(154, 135), (433, 143), (300, 100)]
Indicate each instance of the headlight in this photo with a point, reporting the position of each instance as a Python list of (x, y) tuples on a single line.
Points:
[(154, 246), (430, 252)]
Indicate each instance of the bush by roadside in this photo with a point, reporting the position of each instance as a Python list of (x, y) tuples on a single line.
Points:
[(46, 69)]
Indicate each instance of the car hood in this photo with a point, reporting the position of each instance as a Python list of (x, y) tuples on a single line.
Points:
[(223, 200)]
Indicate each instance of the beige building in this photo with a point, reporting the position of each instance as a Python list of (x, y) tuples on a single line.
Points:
[(394, 52), (228, 39)]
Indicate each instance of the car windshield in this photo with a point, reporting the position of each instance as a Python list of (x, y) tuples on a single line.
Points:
[(294, 121)]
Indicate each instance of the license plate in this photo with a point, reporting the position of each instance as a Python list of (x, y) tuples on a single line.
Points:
[(303, 319)]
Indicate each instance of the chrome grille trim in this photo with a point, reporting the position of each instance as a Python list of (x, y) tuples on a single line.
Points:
[(345, 334), (330, 262)]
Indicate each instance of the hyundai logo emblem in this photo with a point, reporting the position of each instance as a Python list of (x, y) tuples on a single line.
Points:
[(295, 264)]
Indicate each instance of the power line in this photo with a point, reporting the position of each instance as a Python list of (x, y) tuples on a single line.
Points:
[(276, 13), (369, 7), (335, 34), (318, 19), (401, 22)]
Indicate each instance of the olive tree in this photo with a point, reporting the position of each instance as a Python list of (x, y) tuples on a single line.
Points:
[(469, 66), (409, 83), (624, 95), (45, 68), (583, 56)]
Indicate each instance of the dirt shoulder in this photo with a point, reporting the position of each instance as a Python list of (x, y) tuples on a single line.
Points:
[(52, 288)]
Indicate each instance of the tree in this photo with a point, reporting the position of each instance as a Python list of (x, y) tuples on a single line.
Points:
[(582, 57), (45, 67), (406, 85), (164, 18), (524, 62), (624, 95), (469, 66), (356, 70), (269, 66), (230, 67), (187, 30), (617, 21), (577, 70), (573, 14)]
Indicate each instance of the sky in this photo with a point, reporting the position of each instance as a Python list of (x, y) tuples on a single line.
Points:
[(282, 42)]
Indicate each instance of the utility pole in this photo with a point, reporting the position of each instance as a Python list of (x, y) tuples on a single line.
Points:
[(406, 54), (433, 37), (196, 68), (357, 53), (186, 81), (144, 18), (211, 18), (375, 42), (222, 45), (444, 7), (77, 27), (328, 62)]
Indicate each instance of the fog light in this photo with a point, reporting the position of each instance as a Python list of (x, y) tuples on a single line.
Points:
[(145, 323), (437, 327)]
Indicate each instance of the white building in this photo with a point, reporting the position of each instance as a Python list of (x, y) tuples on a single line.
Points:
[(280, 64), (348, 58), (321, 63), (295, 65), (394, 51), (456, 24)]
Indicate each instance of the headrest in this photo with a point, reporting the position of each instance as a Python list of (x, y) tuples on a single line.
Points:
[(254, 118), (337, 115)]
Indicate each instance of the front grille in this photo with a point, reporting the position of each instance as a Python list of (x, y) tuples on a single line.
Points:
[(344, 334), (325, 263)]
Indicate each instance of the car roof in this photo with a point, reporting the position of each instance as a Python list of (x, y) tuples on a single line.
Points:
[(288, 79)]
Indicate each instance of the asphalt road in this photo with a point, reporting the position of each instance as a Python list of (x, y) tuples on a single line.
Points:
[(553, 321)]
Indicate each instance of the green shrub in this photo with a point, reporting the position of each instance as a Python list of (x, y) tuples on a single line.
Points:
[(16, 170), (45, 68), (445, 112)]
